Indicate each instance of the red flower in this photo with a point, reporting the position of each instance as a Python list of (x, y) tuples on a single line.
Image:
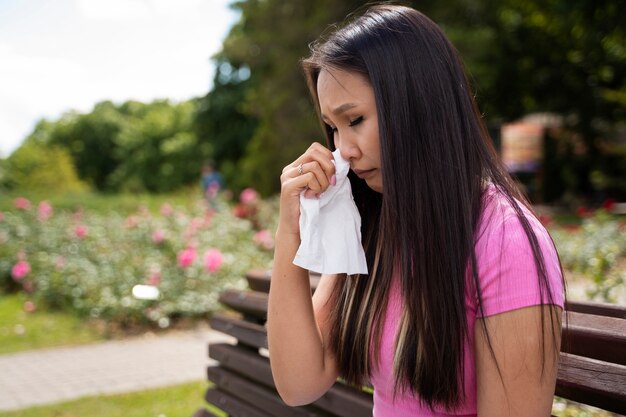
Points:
[(545, 219), (44, 211), (29, 307), (609, 204), (264, 239), (166, 209), (22, 203), (158, 236), (248, 196), (186, 257), (584, 212), (20, 270), (213, 260), (80, 231)]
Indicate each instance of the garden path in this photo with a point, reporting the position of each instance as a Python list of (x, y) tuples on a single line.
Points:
[(59, 374)]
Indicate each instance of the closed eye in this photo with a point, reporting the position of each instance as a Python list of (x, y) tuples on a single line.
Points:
[(331, 130), (356, 121)]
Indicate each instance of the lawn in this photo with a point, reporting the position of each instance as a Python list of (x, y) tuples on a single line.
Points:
[(175, 401), (21, 330)]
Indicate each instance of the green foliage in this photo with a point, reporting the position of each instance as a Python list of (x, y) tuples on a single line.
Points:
[(222, 123), (524, 56), (42, 168), (270, 39), (598, 251), (130, 147), (88, 262)]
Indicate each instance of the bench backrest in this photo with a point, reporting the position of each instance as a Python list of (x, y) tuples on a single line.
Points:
[(592, 367)]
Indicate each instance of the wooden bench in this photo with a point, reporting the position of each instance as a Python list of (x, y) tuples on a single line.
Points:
[(592, 368)]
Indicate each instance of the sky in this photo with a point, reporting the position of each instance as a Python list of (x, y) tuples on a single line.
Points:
[(62, 55)]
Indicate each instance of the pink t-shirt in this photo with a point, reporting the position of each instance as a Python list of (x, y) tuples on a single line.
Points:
[(508, 280)]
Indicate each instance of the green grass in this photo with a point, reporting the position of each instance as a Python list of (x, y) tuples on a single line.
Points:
[(175, 401), (20, 330), (104, 203)]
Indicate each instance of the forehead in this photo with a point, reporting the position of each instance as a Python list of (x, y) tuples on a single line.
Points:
[(334, 85)]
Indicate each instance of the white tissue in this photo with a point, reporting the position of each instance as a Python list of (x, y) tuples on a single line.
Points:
[(330, 228)]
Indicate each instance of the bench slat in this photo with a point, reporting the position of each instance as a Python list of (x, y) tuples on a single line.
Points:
[(261, 397), (233, 406), (246, 333), (592, 382), (596, 337), (250, 303), (339, 399), (259, 280), (600, 309)]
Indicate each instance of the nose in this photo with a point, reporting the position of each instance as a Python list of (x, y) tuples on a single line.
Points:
[(348, 149)]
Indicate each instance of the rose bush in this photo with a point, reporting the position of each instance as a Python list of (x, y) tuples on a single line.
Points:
[(595, 250), (89, 262)]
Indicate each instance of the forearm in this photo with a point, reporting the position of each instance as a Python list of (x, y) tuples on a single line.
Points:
[(294, 340)]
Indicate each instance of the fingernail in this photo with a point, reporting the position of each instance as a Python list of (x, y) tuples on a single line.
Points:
[(333, 180)]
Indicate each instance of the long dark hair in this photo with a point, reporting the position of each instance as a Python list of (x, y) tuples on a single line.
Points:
[(436, 158)]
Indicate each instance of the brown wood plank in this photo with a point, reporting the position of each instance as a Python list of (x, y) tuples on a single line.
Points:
[(233, 406), (259, 280), (596, 337), (600, 309), (592, 382), (263, 398), (340, 400), (246, 333), (250, 303)]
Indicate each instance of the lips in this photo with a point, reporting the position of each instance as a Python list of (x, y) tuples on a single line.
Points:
[(364, 173)]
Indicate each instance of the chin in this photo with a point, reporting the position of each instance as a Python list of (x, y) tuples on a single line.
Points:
[(376, 186)]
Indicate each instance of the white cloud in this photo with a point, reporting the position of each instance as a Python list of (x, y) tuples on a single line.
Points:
[(55, 59)]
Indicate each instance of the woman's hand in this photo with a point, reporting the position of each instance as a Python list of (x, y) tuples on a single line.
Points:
[(312, 173)]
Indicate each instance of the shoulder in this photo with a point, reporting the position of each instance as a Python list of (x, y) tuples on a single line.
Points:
[(508, 269)]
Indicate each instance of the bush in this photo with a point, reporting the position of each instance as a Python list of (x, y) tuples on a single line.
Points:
[(595, 249), (89, 262), (35, 167)]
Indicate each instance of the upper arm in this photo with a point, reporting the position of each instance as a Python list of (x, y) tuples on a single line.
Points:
[(321, 308), (521, 379)]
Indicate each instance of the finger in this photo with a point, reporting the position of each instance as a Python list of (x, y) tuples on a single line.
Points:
[(316, 152), (316, 169)]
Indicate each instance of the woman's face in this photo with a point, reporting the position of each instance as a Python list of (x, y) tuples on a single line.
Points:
[(348, 108)]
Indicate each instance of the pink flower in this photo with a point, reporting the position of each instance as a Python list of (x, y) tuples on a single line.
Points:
[(213, 260), (186, 257), (154, 278), (27, 286), (20, 270), (131, 222), (22, 203), (248, 196), (59, 263), (44, 211), (158, 236), (80, 231), (29, 307), (264, 239), (166, 209)]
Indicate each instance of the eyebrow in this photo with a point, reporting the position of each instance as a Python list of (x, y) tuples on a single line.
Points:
[(344, 107)]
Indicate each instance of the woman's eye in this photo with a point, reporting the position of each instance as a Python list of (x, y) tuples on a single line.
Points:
[(331, 130), (356, 121)]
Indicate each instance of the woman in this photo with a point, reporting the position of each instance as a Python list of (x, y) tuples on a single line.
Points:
[(460, 312)]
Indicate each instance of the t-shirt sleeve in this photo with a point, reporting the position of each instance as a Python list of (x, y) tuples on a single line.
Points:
[(507, 271)]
